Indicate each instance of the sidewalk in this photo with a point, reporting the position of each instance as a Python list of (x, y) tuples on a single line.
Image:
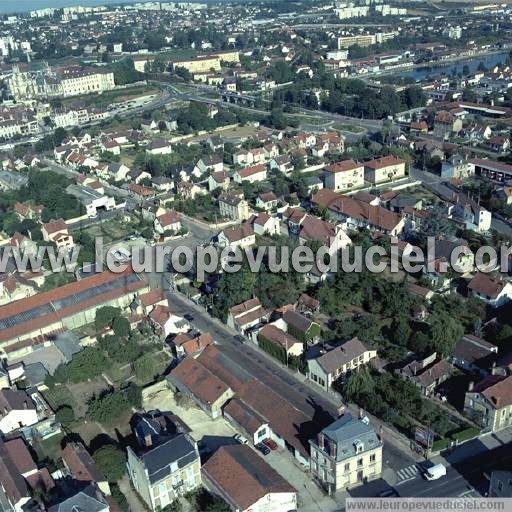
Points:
[(474, 447)]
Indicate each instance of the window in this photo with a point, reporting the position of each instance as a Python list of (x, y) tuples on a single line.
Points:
[(359, 462), (372, 457), (500, 486), (347, 466)]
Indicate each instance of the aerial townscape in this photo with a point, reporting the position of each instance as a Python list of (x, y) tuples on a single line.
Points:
[(367, 130)]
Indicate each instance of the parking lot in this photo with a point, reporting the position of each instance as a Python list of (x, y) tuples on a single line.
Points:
[(211, 434)]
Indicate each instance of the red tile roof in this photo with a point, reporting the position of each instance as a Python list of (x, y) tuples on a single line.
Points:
[(242, 477)]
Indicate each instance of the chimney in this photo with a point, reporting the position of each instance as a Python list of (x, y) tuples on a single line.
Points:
[(471, 386), (333, 449), (148, 441), (25, 404), (321, 441), (360, 413)]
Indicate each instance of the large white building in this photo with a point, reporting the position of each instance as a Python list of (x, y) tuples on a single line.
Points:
[(62, 82)]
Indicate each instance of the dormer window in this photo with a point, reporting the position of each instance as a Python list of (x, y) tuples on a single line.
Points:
[(359, 446)]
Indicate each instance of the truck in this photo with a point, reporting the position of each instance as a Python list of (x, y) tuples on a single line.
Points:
[(435, 472)]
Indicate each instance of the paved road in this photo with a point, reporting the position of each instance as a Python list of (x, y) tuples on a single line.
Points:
[(467, 477), (435, 183), (300, 393)]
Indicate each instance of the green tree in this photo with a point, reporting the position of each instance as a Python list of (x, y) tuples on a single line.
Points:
[(65, 415), (144, 367), (109, 407), (105, 317), (111, 461)]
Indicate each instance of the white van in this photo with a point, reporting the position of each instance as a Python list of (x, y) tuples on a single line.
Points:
[(435, 472)]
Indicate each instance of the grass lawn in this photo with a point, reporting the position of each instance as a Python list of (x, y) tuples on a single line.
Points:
[(82, 392), (58, 396), (178, 54), (111, 231), (119, 373), (347, 128), (49, 448)]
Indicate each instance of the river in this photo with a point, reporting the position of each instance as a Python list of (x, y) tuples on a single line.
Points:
[(489, 60)]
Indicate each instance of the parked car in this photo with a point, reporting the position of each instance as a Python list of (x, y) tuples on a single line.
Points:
[(265, 450), (270, 444), (435, 472), (188, 317), (241, 439), (240, 338)]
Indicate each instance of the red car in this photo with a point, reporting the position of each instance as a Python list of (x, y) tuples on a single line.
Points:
[(271, 444)]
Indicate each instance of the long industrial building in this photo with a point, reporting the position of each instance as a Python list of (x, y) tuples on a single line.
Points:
[(26, 322)]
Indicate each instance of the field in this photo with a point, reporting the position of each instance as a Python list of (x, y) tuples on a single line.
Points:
[(343, 127)]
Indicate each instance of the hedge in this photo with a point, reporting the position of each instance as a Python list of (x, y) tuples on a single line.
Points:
[(440, 444), (464, 435)]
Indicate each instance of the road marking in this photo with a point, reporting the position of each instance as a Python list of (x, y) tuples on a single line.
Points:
[(407, 474)]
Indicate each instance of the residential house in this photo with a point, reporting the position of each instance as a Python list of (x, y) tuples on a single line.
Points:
[(89, 498), (386, 168), (170, 221), (446, 125), (346, 453), (474, 354), (10, 180), (233, 206), (251, 174), (293, 218), (91, 200), (166, 322), (186, 345), (241, 236), (246, 482), (266, 201), (165, 472), (191, 378), (265, 224), (116, 171), (82, 467), (338, 361), (188, 190), (282, 163), (308, 305), (28, 211), (217, 180), (355, 214), (20, 476), (313, 184), (313, 229), (17, 409), (57, 231), (499, 144), (456, 167), (289, 344), (503, 194), (489, 402), (495, 291), (427, 373), (162, 184), (243, 157), (344, 175), (159, 147), (149, 125), (246, 315), (304, 329), (470, 214), (208, 163)]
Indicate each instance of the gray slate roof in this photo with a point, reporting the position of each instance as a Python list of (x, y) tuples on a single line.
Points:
[(347, 432), (87, 500), (168, 457)]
